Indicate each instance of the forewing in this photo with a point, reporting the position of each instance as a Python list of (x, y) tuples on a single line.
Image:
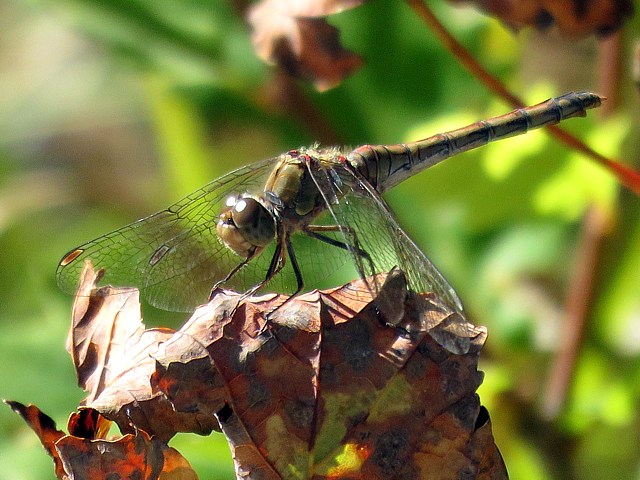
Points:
[(174, 256)]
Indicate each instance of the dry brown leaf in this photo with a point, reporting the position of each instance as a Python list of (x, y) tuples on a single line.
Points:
[(295, 36), (328, 389), (112, 353), (83, 455), (131, 456), (44, 427), (573, 18), (88, 423), (336, 384)]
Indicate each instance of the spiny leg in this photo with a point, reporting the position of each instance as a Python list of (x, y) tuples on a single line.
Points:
[(233, 271), (312, 231), (295, 266), (299, 282), (277, 263), (273, 269), (276, 267)]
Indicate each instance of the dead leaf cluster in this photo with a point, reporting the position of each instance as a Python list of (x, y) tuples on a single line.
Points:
[(326, 388)]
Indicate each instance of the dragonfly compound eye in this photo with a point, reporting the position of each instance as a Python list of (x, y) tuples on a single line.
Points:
[(244, 224)]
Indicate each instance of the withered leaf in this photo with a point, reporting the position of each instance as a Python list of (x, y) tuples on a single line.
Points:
[(88, 423), (335, 384), (294, 36), (44, 427), (573, 18), (327, 388), (91, 457), (112, 353), (131, 456)]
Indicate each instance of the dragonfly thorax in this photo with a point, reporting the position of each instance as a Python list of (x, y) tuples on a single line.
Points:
[(245, 225), (294, 188)]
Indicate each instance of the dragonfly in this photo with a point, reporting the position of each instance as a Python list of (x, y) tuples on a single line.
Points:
[(283, 223)]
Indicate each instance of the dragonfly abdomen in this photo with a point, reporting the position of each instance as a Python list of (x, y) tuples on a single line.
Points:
[(384, 166)]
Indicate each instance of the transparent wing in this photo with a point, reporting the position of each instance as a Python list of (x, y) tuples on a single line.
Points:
[(174, 256), (373, 228), (378, 233)]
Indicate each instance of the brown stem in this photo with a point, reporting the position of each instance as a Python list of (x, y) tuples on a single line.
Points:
[(594, 228), (577, 306), (608, 69)]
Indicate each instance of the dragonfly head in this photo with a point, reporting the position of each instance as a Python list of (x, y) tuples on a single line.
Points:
[(244, 225)]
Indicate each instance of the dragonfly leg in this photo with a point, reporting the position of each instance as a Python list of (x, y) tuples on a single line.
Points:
[(295, 266), (299, 280), (277, 263), (313, 232), (233, 271)]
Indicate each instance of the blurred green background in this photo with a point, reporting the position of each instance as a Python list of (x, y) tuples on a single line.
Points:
[(112, 110)]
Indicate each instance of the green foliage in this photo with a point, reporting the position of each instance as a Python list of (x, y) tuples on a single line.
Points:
[(117, 108)]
